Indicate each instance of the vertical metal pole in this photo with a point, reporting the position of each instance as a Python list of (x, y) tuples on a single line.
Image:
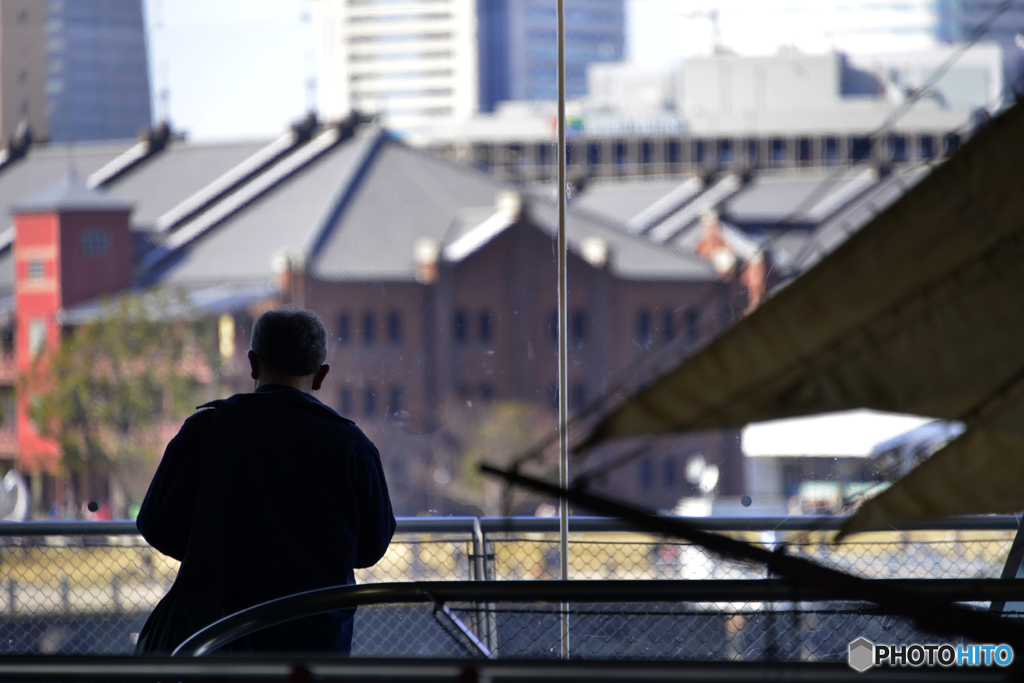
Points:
[(563, 332), (486, 631)]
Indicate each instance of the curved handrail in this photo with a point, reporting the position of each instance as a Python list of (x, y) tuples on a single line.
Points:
[(427, 525), (550, 524), (284, 609)]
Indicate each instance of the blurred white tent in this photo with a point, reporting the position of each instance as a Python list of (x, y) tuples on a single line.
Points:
[(920, 312), (846, 434)]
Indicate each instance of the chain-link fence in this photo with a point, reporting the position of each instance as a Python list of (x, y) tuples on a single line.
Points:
[(71, 593), (925, 555)]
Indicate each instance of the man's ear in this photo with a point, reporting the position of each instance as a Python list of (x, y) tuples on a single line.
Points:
[(254, 365), (318, 378)]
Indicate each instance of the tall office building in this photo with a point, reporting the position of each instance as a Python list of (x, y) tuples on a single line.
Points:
[(422, 62), (518, 46), (98, 84), (22, 68), (413, 61)]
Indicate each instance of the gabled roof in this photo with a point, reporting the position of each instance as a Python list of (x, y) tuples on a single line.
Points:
[(797, 214), (796, 196), (70, 194), (407, 194), (404, 194), (46, 165), (172, 175), (850, 218), (355, 211), (467, 236), (631, 257), (241, 240), (625, 201)]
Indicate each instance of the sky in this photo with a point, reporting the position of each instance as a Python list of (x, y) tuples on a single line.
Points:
[(230, 69)]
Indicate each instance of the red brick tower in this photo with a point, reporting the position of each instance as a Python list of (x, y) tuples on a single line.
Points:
[(71, 244)]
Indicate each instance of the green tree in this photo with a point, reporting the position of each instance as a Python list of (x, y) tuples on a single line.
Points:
[(115, 389), (496, 433)]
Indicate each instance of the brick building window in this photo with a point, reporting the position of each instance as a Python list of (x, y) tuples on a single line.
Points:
[(345, 402), (898, 148), (486, 392), (831, 150), (369, 402), (395, 328), (36, 270), (36, 335), (778, 146), (344, 329), (643, 327), (668, 330), (395, 400), (860, 148), (670, 473), (672, 152), (692, 326), (485, 326), (95, 242), (804, 149), (578, 329), (369, 325), (459, 327), (724, 149), (579, 398), (926, 147)]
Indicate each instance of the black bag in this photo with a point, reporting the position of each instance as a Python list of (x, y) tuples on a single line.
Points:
[(197, 598)]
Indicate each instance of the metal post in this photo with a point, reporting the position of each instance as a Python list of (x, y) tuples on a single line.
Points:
[(477, 567), (485, 621), (563, 331)]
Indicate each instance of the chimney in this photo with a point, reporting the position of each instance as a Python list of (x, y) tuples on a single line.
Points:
[(289, 276), (713, 247), (426, 253), (595, 251)]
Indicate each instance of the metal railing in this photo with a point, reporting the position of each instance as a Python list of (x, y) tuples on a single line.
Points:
[(662, 598), (108, 669), (86, 587)]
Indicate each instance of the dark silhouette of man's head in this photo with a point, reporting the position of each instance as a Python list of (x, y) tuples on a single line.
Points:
[(288, 343)]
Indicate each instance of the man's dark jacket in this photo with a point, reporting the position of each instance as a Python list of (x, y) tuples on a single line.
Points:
[(306, 504)]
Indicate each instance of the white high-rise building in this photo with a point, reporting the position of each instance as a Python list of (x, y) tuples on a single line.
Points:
[(420, 63), (663, 31), (412, 62)]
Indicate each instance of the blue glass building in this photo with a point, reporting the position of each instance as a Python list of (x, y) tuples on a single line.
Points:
[(98, 86), (518, 46)]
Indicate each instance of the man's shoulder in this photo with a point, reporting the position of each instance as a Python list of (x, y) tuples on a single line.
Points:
[(199, 420), (286, 405), (277, 400)]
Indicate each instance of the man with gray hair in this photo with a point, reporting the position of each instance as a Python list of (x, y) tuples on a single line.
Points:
[(267, 494)]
